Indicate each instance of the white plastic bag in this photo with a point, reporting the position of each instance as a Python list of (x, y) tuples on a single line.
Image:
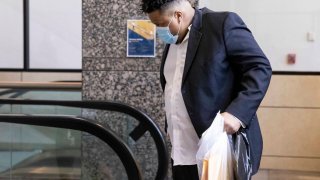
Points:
[(214, 156)]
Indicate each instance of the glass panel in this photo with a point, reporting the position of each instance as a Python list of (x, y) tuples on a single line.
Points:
[(98, 160), (55, 34), (42, 95), (11, 36), (33, 152)]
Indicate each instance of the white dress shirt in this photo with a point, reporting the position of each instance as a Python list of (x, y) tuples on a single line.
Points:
[(182, 134)]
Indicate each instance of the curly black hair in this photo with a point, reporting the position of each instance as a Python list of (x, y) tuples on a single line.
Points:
[(148, 6)]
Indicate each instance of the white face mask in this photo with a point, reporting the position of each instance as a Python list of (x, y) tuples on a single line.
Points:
[(165, 35)]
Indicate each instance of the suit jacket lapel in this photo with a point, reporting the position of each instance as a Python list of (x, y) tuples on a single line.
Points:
[(193, 42)]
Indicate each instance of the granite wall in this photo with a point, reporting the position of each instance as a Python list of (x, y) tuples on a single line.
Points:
[(108, 75)]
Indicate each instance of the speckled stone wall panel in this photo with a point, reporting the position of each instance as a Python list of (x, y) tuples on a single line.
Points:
[(121, 64), (140, 89), (105, 164), (101, 162), (144, 149), (118, 123), (108, 75), (104, 27)]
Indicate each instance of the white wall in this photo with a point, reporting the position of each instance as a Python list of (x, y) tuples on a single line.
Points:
[(280, 27), (55, 34), (11, 34)]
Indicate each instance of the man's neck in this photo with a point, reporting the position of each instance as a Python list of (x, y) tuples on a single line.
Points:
[(187, 21)]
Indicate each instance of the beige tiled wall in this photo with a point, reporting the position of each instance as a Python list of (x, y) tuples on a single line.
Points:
[(39, 76), (285, 175), (10, 76), (45, 77), (290, 121), (292, 132), (293, 91)]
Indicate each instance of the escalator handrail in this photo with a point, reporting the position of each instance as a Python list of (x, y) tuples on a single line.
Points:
[(81, 124), (145, 121)]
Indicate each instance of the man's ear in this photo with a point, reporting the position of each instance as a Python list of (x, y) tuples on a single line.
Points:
[(179, 16)]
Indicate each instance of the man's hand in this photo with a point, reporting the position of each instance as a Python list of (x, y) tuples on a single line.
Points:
[(231, 124)]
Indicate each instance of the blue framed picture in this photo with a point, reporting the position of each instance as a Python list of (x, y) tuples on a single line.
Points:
[(141, 38)]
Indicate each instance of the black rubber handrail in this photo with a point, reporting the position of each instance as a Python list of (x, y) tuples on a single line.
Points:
[(145, 124), (81, 124)]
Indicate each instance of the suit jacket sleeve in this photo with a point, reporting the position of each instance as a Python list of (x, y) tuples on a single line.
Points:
[(252, 69)]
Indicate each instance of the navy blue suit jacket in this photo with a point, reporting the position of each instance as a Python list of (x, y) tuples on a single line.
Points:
[(225, 70)]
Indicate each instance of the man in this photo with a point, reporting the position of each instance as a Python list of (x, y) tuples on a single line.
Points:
[(211, 62)]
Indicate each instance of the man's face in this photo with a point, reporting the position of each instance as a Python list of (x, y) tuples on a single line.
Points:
[(163, 19)]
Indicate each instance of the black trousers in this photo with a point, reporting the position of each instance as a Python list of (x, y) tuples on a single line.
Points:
[(184, 172)]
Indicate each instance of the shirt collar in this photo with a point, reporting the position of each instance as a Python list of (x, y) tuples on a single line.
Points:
[(187, 35)]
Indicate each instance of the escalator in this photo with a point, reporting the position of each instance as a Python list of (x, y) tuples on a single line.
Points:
[(75, 143)]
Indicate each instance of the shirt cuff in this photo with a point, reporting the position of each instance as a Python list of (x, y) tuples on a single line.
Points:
[(242, 125)]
